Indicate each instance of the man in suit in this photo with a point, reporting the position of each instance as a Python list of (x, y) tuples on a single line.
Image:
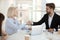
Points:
[(51, 19)]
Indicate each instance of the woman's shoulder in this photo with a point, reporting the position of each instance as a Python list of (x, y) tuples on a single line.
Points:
[(9, 19)]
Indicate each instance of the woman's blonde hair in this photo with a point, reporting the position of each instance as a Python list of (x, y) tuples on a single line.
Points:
[(11, 11)]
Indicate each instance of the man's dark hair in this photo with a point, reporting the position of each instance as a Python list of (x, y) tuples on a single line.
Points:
[(51, 5)]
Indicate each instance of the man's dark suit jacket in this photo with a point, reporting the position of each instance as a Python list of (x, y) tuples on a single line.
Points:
[(54, 24)]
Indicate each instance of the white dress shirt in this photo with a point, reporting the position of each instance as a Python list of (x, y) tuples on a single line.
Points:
[(50, 19)]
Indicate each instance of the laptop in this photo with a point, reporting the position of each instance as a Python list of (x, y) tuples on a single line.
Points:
[(37, 30)]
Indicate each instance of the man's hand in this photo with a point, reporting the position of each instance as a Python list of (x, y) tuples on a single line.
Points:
[(29, 28), (50, 30), (29, 23)]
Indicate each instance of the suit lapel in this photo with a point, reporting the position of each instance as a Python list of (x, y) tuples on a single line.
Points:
[(47, 21), (52, 20)]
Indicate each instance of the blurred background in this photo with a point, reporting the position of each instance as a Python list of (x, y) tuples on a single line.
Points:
[(28, 9)]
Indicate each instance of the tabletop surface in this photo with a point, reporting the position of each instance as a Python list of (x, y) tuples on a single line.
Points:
[(44, 36)]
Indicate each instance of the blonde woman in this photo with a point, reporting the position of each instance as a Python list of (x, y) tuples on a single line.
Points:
[(12, 25)]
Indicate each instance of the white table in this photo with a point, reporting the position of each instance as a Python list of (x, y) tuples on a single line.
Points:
[(17, 36), (56, 36), (21, 36)]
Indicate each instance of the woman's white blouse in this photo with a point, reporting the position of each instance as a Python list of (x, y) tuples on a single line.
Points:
[(12, 26)]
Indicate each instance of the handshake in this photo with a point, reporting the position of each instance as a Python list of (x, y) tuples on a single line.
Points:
[(29, 23)]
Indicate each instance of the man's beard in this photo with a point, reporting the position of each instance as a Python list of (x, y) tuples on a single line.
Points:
[(48, 13)]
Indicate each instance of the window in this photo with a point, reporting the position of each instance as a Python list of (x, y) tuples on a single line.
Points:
[(31, 9)]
